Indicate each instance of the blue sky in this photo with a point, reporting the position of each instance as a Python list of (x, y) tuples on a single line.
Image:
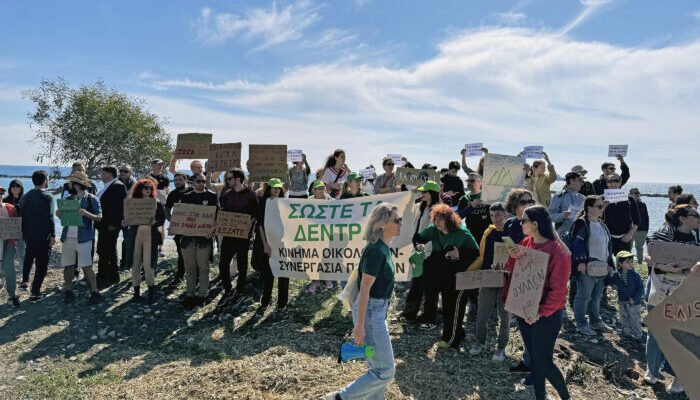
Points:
[(377, 77)]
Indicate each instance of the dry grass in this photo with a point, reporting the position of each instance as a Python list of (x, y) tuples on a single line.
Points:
[(122, 350)]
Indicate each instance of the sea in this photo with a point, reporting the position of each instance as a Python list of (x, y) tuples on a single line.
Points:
[(653, 194)]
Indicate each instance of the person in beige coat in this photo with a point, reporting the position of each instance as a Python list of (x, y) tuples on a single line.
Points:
[(538, 180)]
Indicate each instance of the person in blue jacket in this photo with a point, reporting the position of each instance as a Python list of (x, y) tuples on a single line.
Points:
[(630, 289)]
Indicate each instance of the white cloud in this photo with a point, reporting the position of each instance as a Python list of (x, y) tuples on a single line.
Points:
[(265, 27), (590, 7), (510, 17)]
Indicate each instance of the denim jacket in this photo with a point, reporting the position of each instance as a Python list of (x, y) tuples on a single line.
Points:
[(86, 233), (579, 249)]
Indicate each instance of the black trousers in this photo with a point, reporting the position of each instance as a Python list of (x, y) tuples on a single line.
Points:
[(37, 252), (472, 296), (263, 265), (180, 261), (454, 302), (234, 247), (431, 290), (107, 265), (414, 298), (539, 339)]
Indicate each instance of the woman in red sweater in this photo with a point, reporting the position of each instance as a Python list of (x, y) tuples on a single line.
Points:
[(540, 336)]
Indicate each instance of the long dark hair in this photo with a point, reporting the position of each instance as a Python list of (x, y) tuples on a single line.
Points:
[(589, 202), (673, 216), (10, 199), (330, 161), (434, 199), (540, 215), (268, 192)]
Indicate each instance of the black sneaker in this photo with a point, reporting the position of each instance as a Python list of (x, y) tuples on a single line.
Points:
[(188, 302), (15, 301), (94, 299), (69, 297), (36, 297), (24, 285), (520, 367)]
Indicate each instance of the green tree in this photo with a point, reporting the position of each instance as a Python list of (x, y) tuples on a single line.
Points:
[(95, 125)]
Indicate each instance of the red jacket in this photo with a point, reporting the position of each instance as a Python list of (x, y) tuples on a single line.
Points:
[(558, 271), (12, 213)]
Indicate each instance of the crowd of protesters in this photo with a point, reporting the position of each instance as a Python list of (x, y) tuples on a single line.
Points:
[(592, 244)]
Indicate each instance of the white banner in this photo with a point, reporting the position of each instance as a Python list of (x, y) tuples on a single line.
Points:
[(324, 239)]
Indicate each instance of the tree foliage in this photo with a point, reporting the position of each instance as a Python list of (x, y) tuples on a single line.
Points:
[(95, 125)]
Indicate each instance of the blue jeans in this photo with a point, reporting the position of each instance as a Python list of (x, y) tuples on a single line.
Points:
[(372, 384), (8, 268), (589, 291), (655, 357)]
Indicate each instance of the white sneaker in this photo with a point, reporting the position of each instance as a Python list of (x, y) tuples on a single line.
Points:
[(675, 387), (650, 378), (475, 350), (499, 356)]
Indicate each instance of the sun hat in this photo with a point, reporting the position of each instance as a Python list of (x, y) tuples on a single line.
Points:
[(429, 185), (79, 178)]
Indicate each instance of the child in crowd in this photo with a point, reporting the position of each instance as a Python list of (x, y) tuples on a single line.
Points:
[(629, 293)]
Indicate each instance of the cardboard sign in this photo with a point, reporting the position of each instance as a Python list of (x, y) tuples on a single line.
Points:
[(416, 177), (193, 145), (500, 256), (368, 173), (192, 220), (69, 212), (397, 158), (662, 285), (526, 284), (294, 156), (320, 239), (232, 224), (139, 211), (473, 149), (223, 157), (678, 254), (615, 195), (10, 228), (675, 324), (501, 174), (266, 162), (478, 279), (615, 150), (533, 151)]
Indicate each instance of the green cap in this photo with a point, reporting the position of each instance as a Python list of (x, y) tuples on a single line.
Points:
[(275, 183), (354, 176), (429, 185), (318, 184)]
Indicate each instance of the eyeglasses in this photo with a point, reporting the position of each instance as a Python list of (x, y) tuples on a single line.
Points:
[(150, 189), (389, 164), (611, 168), (471, 180), (200, 181), (614, 181), (694, 215), (123, 171), (398, 220), (527, 202)]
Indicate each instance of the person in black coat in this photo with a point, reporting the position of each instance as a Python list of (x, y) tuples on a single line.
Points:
[(112, 201), (608, 168)]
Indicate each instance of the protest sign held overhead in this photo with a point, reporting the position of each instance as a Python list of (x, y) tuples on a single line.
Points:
[(69, 212), (193, 145), (321, 239), (501, 174), (294, 156), (267, 161), (478, 279), (615, 150), (397, 158), (473, 149), (10, 228), (139, 211), (368, 173), (416, 177), (232, 224), (223, 157), (526, 284), (615, 195), (533, 151), (192, 220)]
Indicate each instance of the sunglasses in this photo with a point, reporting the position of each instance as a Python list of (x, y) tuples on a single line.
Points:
[(150, 189), (694, 215), (526, 202), (200, 181), (390, 164), (123, 171), (398, 220), (471, 180), (611, 168), (614, 181)]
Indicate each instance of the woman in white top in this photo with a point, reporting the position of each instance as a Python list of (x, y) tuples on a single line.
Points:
[(335, 172)]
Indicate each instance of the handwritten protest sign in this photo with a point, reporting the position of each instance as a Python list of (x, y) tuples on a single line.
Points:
[(317, 239), (501, 174), (266, 162), (69, 212), (193, 145), (192, 220), (661, 285), (533, 151), (675, 324), (368, 173), (478, 279), (615, 195), (526, 284), (10, 228), (232, 224), (500, 256), (225, 156), (294, 156), (678, 254), (615, 150), (415, 177), (139, 211), (473, 149), (397, 158)]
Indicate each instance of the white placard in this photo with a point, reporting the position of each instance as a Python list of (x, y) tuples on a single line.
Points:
[(533, 151), (294, 156), (473, 149), (397, 159), (615, 195), (615, 150), (368, 173)]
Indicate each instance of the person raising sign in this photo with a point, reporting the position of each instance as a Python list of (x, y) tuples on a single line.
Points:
[(335, 172)]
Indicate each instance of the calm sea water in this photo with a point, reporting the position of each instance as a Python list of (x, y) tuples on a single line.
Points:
[(657, 206)]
